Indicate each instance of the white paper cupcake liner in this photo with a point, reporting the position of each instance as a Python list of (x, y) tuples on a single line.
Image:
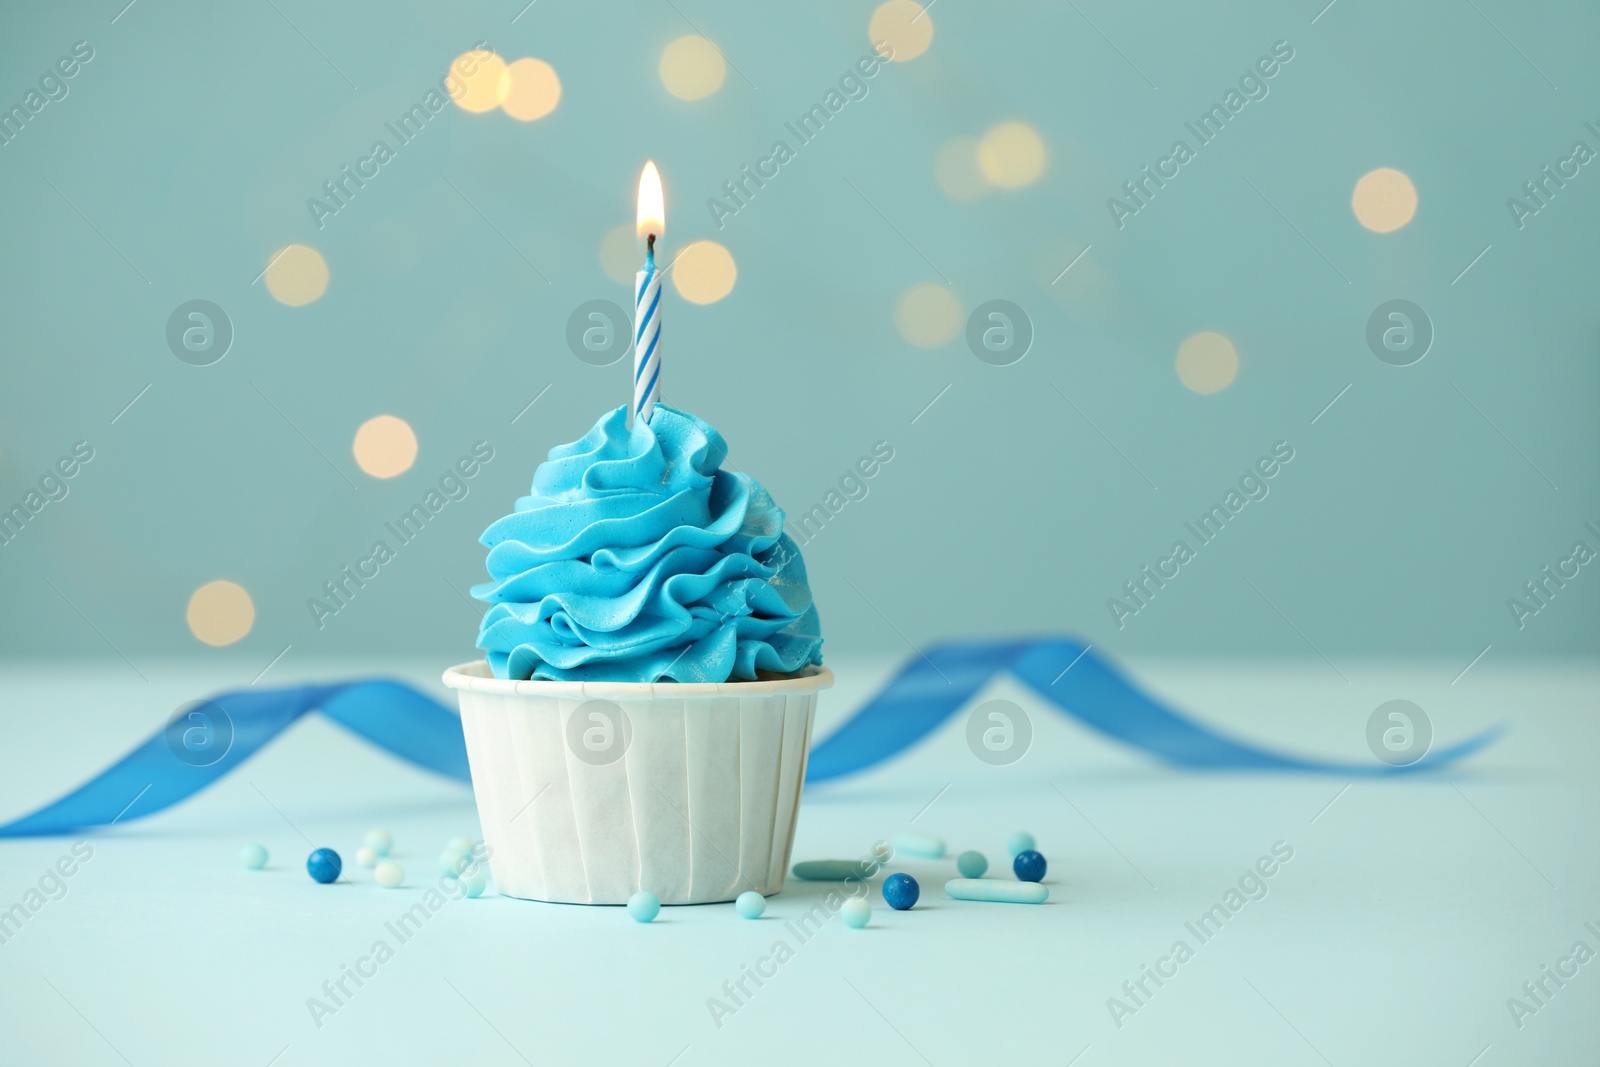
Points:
[(691, 792)]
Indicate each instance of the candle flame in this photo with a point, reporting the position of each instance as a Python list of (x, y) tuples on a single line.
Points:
[(652, 210)]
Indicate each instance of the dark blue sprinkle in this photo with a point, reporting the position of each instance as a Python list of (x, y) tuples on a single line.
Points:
[(324, 865), (900, 891), (1029, 866)]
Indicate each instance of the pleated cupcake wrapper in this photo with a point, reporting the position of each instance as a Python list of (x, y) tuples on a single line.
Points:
[(699, 807)]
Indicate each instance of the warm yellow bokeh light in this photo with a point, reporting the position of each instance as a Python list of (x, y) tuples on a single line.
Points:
[(532, 90), (220, 613), (928, 315), (620, 255), (1384, 200), (692, 68), (1207, 362), (957, 170), (297, 275), (704, 273), (477, 81), (904, 25), (1012, 155), (385, 446)]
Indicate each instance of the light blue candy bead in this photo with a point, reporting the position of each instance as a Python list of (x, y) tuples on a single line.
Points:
[(644, 906), (857, 913), (452, 862), (1021, 841), (972, 864), (462, 845), (473, 882), (254, 857), (750, 904), (928, 846), (379, 841)]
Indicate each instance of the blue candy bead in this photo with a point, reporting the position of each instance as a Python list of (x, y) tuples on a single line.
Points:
[(324, 865), (900, 891), (380, 841), (473, 883), (1029, 866), (856, 913), (1019, 842), (644, 906), (254, 857), (750, 904), (972, 864)]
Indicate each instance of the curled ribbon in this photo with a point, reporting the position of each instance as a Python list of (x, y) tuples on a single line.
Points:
[(175, 764)]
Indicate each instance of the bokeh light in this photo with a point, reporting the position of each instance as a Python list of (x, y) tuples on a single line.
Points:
[(220, 613), (620, 254), (532, 90), (1207, 362), (903, 25), (928, 315), (297, 275), (704, 273), (385, 446), (692, 68), (477, 81), (1012, 155), (1384, 200), (957, 170)]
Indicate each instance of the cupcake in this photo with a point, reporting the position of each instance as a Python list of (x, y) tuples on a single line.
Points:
[(653, 657)]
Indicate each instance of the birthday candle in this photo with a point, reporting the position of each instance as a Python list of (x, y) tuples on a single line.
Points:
[(647, 300)]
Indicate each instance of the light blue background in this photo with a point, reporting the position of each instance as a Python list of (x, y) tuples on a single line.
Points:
[(193, 139)]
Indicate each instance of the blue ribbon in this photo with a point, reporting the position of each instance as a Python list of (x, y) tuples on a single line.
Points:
[(935, 685), (209, 739)]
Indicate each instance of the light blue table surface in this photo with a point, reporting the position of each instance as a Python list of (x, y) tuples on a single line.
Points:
[(1410, 912)]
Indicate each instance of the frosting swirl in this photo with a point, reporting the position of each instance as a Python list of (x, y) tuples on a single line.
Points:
[(638, 559)]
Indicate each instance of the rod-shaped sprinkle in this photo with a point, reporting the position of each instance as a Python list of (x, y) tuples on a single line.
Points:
[(996, 889), (928, 846)]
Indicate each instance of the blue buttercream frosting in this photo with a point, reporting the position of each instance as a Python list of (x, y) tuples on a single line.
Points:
[(638, 559)]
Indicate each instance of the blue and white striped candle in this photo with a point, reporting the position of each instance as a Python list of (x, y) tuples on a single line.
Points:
[(647, 301)]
